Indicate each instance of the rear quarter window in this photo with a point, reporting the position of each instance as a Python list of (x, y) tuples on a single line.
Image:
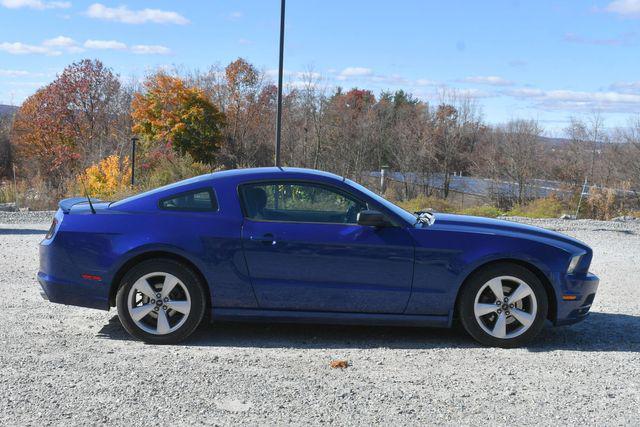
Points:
[(194, 201)]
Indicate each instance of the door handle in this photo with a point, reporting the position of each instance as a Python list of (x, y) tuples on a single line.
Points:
[(267, 239)]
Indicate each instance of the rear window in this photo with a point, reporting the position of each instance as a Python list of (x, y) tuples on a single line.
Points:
[(196, 200)]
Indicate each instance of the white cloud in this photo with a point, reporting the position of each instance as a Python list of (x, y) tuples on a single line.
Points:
[(630, 8), (14, 73), (18, 48), (105, 44), (35, 4), (356, 72), (244, 42), (570, 100), (624, 39), (426, 82), (626, 87), (142, 49), (62, 44), (128, 16), (488, 80), (234, 16), (474, 93), (60, 41), (299, 75)]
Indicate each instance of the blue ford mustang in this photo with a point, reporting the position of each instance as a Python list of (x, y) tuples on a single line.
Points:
[(298, 245)]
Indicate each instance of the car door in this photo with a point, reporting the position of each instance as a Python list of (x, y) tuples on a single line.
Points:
[(305, 251)]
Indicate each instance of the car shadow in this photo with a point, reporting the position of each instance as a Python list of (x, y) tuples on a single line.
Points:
[(21, 231), (608, 332)]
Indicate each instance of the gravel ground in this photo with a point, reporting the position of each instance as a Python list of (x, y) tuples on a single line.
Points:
[(74, 366)]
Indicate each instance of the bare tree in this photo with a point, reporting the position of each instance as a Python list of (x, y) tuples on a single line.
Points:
[(512, 152), (454, 133)]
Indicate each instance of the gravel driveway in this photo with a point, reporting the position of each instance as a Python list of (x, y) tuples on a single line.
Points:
[(74, 366)]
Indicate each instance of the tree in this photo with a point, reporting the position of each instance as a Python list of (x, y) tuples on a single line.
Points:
[(70, 123), (44, 141), (629, 156), (181, 116), (455, 130), (584, 149), (513, 153), (350, 131), (249, 104), (5, 146)]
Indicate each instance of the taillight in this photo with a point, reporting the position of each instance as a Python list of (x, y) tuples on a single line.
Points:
[(52, 229)]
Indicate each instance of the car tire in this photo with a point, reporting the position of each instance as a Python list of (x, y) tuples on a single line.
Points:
[(169, 316), (513, 322)]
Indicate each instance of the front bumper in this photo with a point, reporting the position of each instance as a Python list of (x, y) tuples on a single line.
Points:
[(584, 288)]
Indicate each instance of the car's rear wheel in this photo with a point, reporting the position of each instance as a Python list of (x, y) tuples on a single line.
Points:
[(161, 301), (504, 305)]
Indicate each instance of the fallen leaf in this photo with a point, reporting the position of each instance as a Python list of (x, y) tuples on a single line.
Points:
[(339, 364)]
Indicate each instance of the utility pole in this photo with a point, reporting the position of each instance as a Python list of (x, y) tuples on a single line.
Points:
[(280, 69), (133, 160)]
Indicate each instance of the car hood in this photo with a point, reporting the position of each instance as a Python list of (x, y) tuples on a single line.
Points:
[(502, 227)]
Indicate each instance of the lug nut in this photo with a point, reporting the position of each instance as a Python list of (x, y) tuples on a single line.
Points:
[(166, 299), (156, 309), (508, 313), (153, 301), (506, 299), (164, 307), (158, 296), (510, 305), (498, 303), (499, 311)]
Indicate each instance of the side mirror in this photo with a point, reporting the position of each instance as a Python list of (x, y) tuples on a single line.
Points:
[(372, 219)]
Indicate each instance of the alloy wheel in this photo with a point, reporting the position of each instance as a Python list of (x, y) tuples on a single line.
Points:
[(159, 303), (505, 307)]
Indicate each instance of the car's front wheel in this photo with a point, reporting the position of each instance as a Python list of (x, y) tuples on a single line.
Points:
[(161, 301), (504, 305)]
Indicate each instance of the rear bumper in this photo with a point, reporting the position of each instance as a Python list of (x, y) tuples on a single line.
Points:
[(584, 289), (78, 294)]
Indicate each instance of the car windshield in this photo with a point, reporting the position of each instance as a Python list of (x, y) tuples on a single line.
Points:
[(405, 215)]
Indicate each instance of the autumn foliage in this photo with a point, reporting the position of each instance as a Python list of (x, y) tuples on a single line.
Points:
[(47, 142), (109, 177), (70, 123), (78, 128), (171, 114)]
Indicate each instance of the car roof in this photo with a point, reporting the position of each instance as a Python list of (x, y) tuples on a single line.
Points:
[(236, 175)]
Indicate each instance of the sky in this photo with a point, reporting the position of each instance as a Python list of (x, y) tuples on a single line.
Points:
[(546, 60)]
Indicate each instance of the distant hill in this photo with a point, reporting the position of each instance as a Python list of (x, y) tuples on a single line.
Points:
[(553, 141), (6, 110)]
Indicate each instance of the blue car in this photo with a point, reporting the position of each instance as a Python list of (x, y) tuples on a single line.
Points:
[(299, 245)]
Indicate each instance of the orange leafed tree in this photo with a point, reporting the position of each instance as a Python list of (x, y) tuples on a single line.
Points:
[(42, 137), (69, 123), (173, 113)]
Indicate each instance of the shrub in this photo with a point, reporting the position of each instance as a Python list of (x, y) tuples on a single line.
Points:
[(601, 204), (7, 193), (422, 202), (484, 210), (171, 169), (106, 179), (548, 207)]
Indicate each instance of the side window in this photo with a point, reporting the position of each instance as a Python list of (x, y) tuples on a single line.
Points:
[(299, 202), (196, 200)]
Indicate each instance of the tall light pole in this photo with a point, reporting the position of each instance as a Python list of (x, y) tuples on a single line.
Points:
[(280, 69)]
